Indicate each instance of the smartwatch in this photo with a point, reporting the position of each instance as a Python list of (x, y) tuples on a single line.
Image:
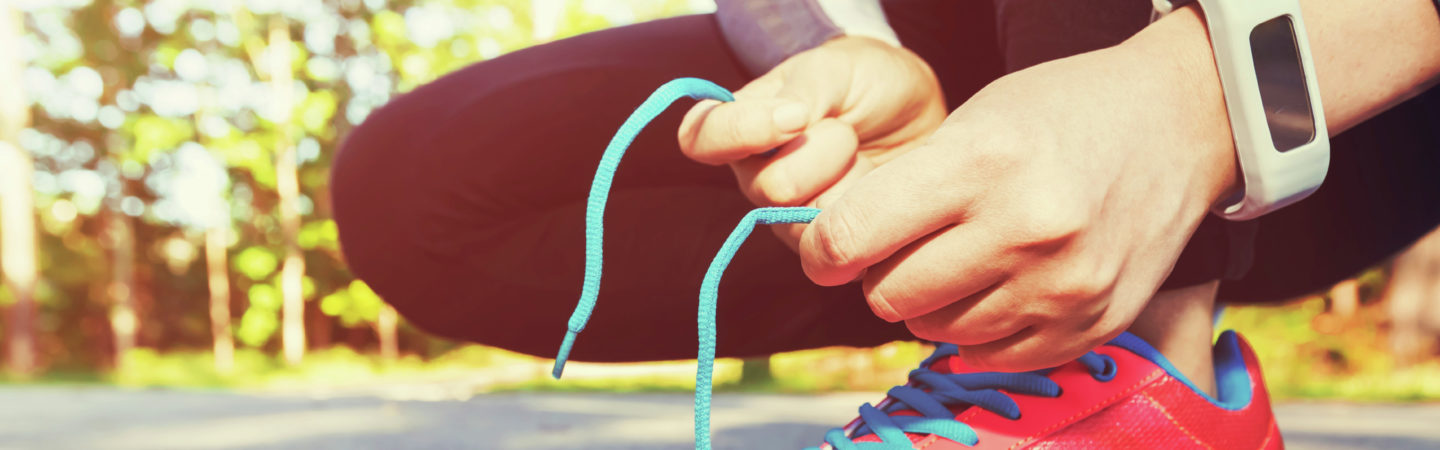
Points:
[(1268, 76)]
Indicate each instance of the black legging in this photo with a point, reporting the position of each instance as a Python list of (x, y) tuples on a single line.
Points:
[(462, 203)]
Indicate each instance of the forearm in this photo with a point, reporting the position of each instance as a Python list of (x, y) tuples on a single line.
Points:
[(1371, 55), (1368, 55)]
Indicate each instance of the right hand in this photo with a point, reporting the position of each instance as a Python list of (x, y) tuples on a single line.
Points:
[(834, 112)]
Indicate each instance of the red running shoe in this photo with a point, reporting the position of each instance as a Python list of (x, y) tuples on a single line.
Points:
[(1122, 395)]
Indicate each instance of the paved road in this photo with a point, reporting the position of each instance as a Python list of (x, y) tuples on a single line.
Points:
[(103, 418)]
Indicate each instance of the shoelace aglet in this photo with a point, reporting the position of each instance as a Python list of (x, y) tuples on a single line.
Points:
[(564, 354)]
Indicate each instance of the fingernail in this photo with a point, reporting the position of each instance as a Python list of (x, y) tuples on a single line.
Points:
[(791, 116)]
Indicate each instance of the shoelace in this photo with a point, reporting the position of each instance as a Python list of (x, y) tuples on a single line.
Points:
[(930, 393), (594, 238), (934, 395)]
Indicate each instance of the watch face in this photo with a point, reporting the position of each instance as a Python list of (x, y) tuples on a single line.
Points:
[(1282, 83)]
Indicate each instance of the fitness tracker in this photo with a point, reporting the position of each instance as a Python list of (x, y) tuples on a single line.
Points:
[(1273, 100)]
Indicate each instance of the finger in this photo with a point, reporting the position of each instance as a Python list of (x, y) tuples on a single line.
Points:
[(992, 314), (791, 233), (891, 207), (719, 133), (825, 95), (934, 272), (858, 170), (802, 168), (1033, 348), (767, 86), (821, 87)]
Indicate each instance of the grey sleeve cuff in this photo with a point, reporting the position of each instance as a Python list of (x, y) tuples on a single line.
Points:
[(763, 33)]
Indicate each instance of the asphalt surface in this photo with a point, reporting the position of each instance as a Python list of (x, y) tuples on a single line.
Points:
[(105, 418)]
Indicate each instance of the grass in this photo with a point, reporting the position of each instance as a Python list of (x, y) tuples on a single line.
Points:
[(1349, 362)]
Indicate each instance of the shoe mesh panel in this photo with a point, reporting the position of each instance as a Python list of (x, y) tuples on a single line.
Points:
[(1168, 415)]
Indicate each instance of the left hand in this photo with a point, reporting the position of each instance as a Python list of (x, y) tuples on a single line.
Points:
[(1045, 212), (832, 113)]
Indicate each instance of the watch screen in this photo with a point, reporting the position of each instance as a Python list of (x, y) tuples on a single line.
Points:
[(1282, 83)]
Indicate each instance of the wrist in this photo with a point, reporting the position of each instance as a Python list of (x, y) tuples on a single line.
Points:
[(1178, 48)]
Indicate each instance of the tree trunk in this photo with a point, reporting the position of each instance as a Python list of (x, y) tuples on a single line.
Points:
[(17, 211), (321, 332), (386, 327), (287, 183), (17, 255), (217, 267), (123, 321), (217, 263)]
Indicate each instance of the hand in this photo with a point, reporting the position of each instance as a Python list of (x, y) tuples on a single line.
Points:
[(1044, 213), (834, 112)]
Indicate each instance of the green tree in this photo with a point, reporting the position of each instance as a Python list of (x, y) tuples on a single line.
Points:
[(168, 130)]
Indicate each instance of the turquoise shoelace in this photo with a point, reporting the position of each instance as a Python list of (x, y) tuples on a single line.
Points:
[(594, 239), (930, 393)]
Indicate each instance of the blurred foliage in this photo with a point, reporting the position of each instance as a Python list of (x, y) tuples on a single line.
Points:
[(1352, 362), (354, 305), (164, 111), (1298, 361)]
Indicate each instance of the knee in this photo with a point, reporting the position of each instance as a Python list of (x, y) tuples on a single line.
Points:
[(369, 186)]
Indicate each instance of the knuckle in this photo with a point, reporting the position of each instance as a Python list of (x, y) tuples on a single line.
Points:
[(789, 234), (835, 234), (692, 126), (928, 330), (1082, 287), (1029, 316), (1014, 358), (774, 190), (976, 329), (699, 152), (740, 126), (939, 330), (987, 358), (990, 157), (1036, 351), (880, 304), (689, 125), (1048, 225), (1107, 327), (733, 134), (692, 150)]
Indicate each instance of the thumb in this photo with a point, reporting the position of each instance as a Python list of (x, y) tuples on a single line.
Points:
[(883, 212)]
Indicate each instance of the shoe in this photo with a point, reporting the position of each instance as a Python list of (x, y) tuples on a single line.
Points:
[(1124, 394)]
